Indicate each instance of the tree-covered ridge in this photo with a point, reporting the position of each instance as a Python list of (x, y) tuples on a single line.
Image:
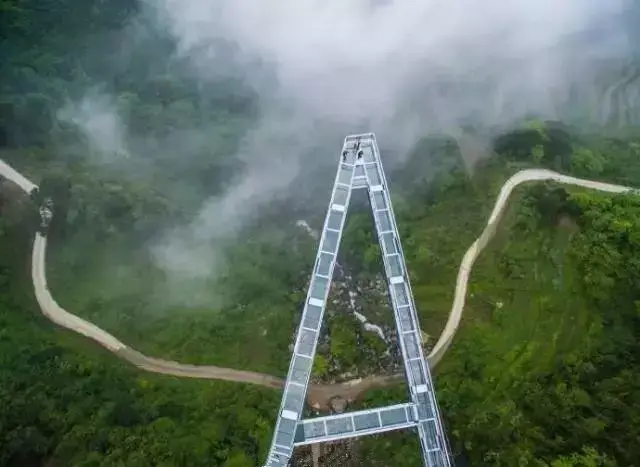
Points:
[(100, 83), (550, 366)]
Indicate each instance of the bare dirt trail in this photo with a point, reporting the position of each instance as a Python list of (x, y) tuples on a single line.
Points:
[(460, 295), (318, 395), (16, 177)]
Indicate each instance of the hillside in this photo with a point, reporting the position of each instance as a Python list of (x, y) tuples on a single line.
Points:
[(539, 330), (148, 164)]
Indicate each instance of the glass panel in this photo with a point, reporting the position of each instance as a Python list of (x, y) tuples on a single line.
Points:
[(393, 417), (284, 439), (366, 421), (411, 345), (305, 345), (314, 429), (359, 171), (340, 196), (338, 426), (395, 269), (300, 436), (359, 182), (423, 412), (345, 175), (437, 459), (416, 371), (301, 369), (324, 264), (389, 244), (401, 294), (368, 154), (405, 321), (378, 200), (287, 426), (294, 401), (319, 287), (330, 242), (432, 435), (408, 411), (312, 317), (384, 221), (372, 172), (425, 409), (335, 218)]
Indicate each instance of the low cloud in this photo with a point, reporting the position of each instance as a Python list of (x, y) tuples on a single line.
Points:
[(98, 119), (326, 68)]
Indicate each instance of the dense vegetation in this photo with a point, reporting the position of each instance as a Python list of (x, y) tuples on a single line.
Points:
[(63, 401), (544, 369), (543, 372)]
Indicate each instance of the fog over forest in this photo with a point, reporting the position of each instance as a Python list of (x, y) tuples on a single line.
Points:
[(321, 69)]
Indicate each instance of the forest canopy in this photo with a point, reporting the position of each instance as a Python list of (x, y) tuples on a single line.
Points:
[(544, 370)]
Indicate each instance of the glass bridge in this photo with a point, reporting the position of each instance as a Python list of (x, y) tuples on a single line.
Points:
[(360, 167)]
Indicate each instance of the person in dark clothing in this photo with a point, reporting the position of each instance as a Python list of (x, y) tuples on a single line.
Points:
[(357, 150)]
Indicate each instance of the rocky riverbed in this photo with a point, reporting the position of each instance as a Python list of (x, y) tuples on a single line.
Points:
[(359, 315)]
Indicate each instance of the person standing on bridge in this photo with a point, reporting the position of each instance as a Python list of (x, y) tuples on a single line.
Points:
[(358, 151)]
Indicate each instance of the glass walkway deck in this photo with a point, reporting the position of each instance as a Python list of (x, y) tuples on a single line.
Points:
[(360, 168)]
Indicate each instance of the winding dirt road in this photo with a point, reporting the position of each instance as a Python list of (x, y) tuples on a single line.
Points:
[(318, 395), (460, 295)]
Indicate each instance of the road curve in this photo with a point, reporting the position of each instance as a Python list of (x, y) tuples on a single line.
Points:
[(318, 395), (528, 175), (61, 317), (16, 177), (55, 312)]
